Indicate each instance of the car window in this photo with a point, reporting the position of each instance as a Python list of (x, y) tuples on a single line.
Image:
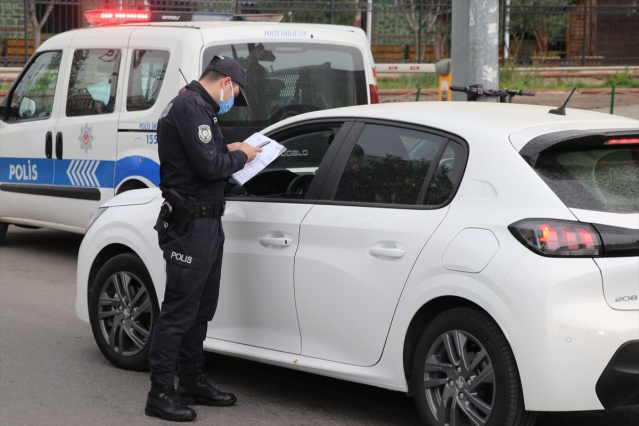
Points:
[(285, 79), (34, 94), (290, 176), (93, 82), (446, 177), (389, 165), (146, 76), (605, 179)]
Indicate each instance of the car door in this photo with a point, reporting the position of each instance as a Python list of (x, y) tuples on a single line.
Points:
[(26, 140), (262, 228), (86, 136), (390, 193)]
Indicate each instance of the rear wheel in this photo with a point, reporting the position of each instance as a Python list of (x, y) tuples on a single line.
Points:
[(122, 309), (464, 373)]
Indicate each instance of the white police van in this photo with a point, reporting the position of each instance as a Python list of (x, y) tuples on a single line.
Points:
[(79, 124)]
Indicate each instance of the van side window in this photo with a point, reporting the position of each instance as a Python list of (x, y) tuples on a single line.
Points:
[(33, 96), (145, 78), (93, 82)]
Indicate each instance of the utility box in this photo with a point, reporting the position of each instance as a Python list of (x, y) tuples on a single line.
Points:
[(445, 80)]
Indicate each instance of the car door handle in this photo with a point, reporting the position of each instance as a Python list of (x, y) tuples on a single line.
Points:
[(392, 252), (276, 241), (58, 145), (48, 145)]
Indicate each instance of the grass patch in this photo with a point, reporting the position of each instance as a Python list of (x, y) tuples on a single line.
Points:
[(509, 77)]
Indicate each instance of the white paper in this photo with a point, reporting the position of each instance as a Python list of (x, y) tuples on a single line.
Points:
[(269, 153)]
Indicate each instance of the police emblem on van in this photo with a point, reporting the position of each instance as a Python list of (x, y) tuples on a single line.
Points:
[(204, 133), (85, 138)]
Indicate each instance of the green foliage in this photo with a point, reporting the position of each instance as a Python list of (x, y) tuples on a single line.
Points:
[(623, 80), (408, 81)]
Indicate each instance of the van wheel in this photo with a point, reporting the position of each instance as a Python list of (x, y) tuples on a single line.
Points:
[(122, 310), (3, 230), (464, 373)]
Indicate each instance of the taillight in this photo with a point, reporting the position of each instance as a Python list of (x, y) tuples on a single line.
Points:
[(622, 141), (565, 238), (373, 93), (558, 238)]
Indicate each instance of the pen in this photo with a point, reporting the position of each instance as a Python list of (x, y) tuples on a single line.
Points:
[(260, 145)]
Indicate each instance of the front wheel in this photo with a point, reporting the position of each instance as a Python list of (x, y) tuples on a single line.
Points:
[(464, 373), (122, 309)]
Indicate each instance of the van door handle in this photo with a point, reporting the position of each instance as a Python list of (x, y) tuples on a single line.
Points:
[(58, 145), (48, 145)]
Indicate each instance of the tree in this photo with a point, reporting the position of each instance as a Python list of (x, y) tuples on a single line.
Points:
[(37, 25), (427, 18), (543, 20)]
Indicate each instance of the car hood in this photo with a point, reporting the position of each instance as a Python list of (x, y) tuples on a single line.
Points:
[(133, 197)]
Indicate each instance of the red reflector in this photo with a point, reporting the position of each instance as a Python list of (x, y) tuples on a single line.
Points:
[(111, 17), (622, 141), (373, 93)]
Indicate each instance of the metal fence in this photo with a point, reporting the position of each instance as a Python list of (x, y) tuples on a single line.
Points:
[(532, 32)]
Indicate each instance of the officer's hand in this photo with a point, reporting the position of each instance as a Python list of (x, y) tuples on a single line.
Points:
[(234, 146), (250, 151)]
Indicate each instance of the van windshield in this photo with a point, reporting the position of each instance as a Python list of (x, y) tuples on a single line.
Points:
[(285, 79)]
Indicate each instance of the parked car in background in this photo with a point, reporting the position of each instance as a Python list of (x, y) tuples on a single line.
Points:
[(79, 124), (483, 257)]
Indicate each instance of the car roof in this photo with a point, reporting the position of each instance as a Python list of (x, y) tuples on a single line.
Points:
[(235, 30), (471, 120)]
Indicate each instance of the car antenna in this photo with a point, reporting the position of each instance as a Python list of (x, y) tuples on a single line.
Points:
[(562, 109), (185, 80)]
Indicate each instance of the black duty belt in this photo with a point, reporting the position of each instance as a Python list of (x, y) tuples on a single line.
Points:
[(208, 210)]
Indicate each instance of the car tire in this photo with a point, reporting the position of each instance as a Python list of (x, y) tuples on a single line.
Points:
[(464, 372), (123, 308), (3, 230)]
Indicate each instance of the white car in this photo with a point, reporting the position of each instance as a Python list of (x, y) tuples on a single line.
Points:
[(483, 257)]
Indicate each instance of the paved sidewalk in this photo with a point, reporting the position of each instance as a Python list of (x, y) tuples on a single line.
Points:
[(626, 101)]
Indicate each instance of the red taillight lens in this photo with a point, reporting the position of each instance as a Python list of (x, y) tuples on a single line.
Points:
[(373, 93), (622, 141), (558, 238), (112, 17)]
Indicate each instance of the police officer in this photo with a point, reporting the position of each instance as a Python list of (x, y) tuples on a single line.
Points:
[(195, 165)]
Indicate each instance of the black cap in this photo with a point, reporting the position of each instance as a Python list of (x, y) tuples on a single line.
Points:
[(229, 67)]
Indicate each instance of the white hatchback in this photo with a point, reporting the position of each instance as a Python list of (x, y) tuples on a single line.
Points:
[(482, 257)]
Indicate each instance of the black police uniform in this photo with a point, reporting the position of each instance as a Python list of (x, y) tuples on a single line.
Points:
[(195, 165)]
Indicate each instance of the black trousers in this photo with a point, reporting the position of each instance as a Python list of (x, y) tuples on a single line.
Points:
[(193, 269)]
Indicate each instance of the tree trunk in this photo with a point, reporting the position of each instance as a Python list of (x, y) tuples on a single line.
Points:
[(37, 26)]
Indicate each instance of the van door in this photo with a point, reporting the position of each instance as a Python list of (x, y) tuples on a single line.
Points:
[(27, 131), (86, 136)]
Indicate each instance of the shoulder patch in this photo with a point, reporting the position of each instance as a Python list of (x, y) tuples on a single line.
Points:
[(166, 110), (204, 133)]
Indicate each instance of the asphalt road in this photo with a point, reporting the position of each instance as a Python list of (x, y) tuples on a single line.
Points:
[(51, 372)]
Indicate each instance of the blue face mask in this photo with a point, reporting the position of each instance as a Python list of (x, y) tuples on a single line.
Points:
[(225, 106)]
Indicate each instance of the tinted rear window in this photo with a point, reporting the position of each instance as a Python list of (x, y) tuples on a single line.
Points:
[(285, 79), (603, 179)]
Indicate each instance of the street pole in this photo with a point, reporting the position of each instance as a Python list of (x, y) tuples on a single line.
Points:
[(475, 45)]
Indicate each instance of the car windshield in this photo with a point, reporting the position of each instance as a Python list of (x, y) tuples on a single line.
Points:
[(285, 79), (604, 179)]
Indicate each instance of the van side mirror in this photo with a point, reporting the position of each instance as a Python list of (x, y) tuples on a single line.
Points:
[(27, 108)]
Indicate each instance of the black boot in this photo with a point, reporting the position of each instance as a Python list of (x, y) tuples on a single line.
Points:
[(163, 402), (195, 389)]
